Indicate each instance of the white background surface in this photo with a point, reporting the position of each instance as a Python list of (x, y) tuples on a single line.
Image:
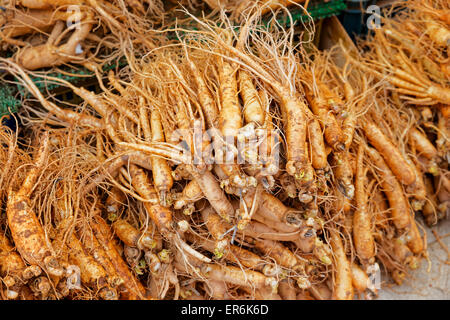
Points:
[(422, 284)]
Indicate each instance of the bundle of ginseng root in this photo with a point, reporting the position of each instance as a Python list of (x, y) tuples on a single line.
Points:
[(238, 9), (43, 33), (409, 55), (227, 166)]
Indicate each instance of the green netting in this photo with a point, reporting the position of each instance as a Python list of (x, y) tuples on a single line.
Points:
[(317, 9), (8, 103)]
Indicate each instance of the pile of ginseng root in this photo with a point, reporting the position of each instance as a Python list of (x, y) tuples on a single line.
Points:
[(44, 33), (232, 164)]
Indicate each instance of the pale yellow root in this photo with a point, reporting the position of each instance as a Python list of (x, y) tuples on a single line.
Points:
[(95, 249), (13, 270), (236, 276), (48, 55), (332, 131), (162, 173), (190, 194), (207, 102), (133, 237), (415, 241), (273, 209), (253, 110), (285, 258), (214, 224), (343, 172), (362, 219), (230, 120), (298, 164), (282, 255), (258, 230), (214, 194), (343, 287), (24, 22), (26, 229), (231, 253), (279, 226), (422, 144), (104, 236), (360, 279), (92, 273), (389, 151), (160, 215), (317, 145), (393, 191)]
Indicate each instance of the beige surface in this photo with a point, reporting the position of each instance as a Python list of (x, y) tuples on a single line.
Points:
[(422, 284)]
